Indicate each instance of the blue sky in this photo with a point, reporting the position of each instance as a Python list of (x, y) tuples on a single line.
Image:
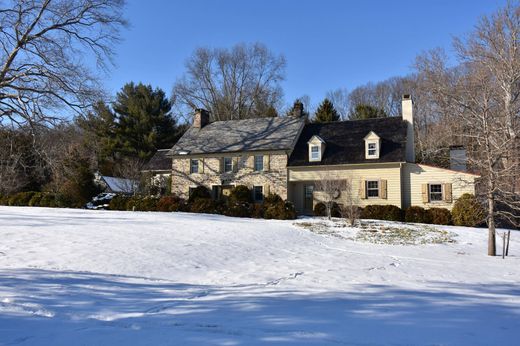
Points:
[(327, 44)]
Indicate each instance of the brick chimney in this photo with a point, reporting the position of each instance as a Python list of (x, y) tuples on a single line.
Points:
[(407, 114), (297, 111), (200, 118)]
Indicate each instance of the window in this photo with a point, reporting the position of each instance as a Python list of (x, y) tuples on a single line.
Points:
[(315, 152), (435, 192), (258, 193), (372, 149), (194, 166), (373, 189), (228, 164), (259, 163)]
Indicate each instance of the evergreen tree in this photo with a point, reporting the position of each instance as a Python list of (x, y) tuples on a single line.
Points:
[(326, 112), (143, 121), (364, 111)]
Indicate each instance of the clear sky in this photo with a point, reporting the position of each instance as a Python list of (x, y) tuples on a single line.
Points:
[(327, 44)]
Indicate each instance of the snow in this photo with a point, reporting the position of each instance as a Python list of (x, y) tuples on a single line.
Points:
[(129, 278)]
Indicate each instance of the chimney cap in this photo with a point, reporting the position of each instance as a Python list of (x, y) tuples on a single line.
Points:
[(407, 97)]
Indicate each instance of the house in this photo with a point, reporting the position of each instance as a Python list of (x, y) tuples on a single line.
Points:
[(223, 154), (159, 169), (287, 157)]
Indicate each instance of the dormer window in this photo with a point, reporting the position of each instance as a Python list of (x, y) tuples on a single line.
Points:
[(372, 145), (316, 148), (315, 152)]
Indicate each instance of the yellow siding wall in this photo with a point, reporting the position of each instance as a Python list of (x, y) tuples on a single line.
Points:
[(415, 175), (355, 173)]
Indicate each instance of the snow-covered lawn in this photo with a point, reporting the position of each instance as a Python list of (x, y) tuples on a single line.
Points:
[(77, 277)]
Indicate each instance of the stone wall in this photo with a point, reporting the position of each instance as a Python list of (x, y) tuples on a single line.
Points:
[(273, 179)]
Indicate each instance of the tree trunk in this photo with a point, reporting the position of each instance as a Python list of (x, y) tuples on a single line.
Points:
[(492, 251)]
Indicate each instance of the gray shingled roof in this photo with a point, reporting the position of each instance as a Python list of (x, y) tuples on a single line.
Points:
[(160, 161), (241, 135)]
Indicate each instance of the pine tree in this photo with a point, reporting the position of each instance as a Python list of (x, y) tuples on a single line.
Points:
[(364, 111), (326, 112), (143, 121)]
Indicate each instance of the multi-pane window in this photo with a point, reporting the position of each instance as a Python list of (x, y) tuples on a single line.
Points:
[(194, 166), (372, 149), (315, 152), (259, 163), (435, 192), (258, 193), (228, 164), (373, 188)]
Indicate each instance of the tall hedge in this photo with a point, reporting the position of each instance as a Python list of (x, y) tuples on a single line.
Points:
[(468, 211)]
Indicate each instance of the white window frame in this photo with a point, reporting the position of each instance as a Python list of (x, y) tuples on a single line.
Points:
[(258, 166), (194, 163), (261, 193), (436, 193), (230, 159), (317, 152), (378, 189), (375, 149)]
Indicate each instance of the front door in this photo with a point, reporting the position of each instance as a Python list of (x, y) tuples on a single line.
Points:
[(308, 198)]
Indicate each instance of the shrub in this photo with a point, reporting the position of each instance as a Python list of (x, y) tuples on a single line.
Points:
[(21, 198), (205, 205), (169, 203), (48, 200), (240, 194), (4, 200), (320, 209), (467, 211), (199, 192), (382, 212), (418, 215), (119, 202), (140, 203), (35, 199), (238, 209), (276, 208), (257, 211), (440, 216)]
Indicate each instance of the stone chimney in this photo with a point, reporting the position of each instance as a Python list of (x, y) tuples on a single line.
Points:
[(458, 158), (407, 114), (297, 110), (200, 118)]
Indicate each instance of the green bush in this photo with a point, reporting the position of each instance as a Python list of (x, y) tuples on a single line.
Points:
[(418, 215), (382, 212), (320, 209), (4, 200), (21, 198), (276, 208), (467, 211), (257, 211), (205, 205), (240, 194), (140, 203), (170, 203), (199, 192), (440, 216), (49, 200), (119, 202), (35, 199), (238, 209)]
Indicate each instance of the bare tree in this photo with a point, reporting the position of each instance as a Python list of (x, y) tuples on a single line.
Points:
[(11, 159), (340, 99), (328, 191), (44, 47), (237, 83), (482, 93), (349, 208)]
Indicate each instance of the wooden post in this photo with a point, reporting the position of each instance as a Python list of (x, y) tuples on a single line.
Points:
[(503, 245), (507, 245)]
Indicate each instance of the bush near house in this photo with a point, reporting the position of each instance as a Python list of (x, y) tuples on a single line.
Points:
[(467, 211), (382, 212), (418, 215), (199, 192), (276, 208), (241, 194), (440, 216), (170, 203), (320, 209), (119, 202), (205, 205)]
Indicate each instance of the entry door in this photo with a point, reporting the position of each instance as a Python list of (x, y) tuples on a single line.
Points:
[(308, 198)]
